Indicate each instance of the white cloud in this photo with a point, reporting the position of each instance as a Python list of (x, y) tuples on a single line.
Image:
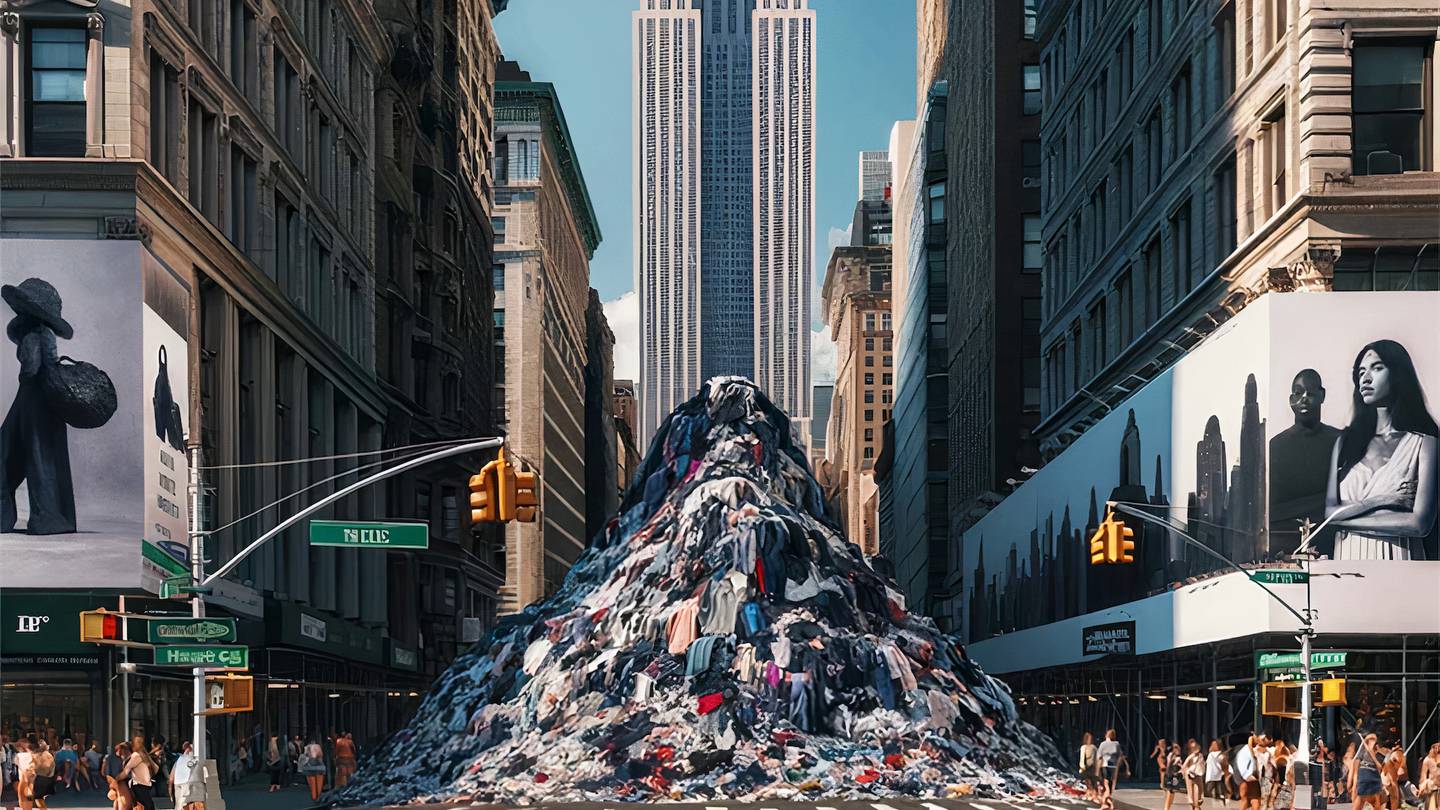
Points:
[(623, 314), (822, 357), (836, 237)]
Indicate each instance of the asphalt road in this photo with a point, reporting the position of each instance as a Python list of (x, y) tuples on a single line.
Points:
[(886, 804)]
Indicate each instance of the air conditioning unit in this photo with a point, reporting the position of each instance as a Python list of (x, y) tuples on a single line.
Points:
[(470, 630)]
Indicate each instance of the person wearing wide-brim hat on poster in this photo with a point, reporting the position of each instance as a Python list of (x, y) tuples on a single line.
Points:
[(34, 442)]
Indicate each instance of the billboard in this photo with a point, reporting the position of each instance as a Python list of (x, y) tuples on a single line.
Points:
[(91, 469), (1237, 442)]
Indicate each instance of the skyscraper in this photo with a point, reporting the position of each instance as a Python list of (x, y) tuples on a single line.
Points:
[(724, 217), (874, 175)]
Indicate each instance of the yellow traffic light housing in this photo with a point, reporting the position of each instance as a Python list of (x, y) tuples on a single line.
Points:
[(485, 492), (229, 694), (1281, 698), (1111, 543), (525, 492), (100, 627), (1329, 692)]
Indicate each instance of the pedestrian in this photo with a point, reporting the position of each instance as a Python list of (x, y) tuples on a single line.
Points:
[(1215, 771), (1088, 767), (1429, 788), (160, 758), (1265, 770), (292, 755), (43, 786), (1347, 773), (65, 761), (242, 759), (1194, 768), (1174, 774), (1393, 776), (8, 788), (274, 763), (1111, 757), (187, 779), (1365, 783), (345, 759), (139, 770), (312, 764), (1244, 768), (1159, 754), (24, 773), (119, 793), (94, 763)]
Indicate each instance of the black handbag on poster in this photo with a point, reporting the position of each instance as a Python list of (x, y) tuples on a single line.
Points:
[(80, 393), (168, 425)]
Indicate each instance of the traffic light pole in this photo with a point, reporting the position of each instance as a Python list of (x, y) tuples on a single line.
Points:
[(197, 600)]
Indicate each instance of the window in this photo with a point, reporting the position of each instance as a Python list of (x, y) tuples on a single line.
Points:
[(1180, 105), (1030, 15), (887, 379), (1033, 258), (1389, 107), (1275, 162), (869, 415), (242, 219), (55, 118), (1154, 158), (1152, 281), (1181, 260), (869, 396), (886, 361), (1279, 12), (497, 277), (869, 322), (244, 55), (870, 344), (1125, 310), (869, 434), (936, 194), (287, 106), (289, 252), (1388, 269), (1030, 164), (869, 376), (1032, 89), (868, 453), (205, 23), (498, 224), (1223, 185), (204, 168), (1222, 63), (165, 118), (885, 396)]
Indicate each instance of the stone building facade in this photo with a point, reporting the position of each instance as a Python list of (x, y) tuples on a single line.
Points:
[(245, 152), (545, 233), (856, 301), (1198, 156)]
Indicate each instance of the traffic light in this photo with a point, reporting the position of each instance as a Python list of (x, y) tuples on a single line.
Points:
[(485, 493), (519, 492), (229, 694), (99, 626), (1111, 542), (525, 491)]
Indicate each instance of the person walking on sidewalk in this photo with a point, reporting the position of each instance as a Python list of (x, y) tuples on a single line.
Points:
[(1216, 769), (1174, 775), (1429, 788), (94, 765), (274, 763), (1089, 765), (140, 771), (1365, 783), (1194, 768), (119, 794), (187, 779), (1245, 773), (8, 786), (43, 785), (1111, 757), (1158, 755), (345, 759), (312, 764)]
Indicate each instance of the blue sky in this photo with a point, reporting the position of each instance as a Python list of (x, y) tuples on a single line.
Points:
[(865, 82)]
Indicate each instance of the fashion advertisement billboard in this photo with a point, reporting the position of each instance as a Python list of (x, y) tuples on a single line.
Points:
[(1239, 441), (80, 471)]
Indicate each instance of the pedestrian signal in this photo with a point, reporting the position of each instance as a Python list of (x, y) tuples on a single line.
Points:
[(1111, 543), (99, 626), (229, 694), (525, 487), (485, 493)]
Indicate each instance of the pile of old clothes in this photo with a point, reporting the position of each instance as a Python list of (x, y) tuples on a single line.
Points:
[(718, 639)]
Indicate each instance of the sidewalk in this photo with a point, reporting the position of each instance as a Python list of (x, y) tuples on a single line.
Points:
[(251, 793), (1134, 797)]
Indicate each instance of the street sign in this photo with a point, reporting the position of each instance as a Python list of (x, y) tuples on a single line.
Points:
[(1291, 660), (1283, 576), (209, 656), (170, 631), (350, 534)]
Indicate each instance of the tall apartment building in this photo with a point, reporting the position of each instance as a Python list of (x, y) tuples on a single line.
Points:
[(433, 189), (602, 481), (821, 397), (856, 298), (992, 64), (918, 546), (193, 193), (545, 234), (874, 177), (1199, 156), (724, 217)]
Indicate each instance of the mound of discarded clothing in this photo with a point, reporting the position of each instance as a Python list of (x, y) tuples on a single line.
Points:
[(719, 639)]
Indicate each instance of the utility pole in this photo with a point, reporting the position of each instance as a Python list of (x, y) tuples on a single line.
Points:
[(197, 600)]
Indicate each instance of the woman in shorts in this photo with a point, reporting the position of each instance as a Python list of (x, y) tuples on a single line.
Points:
[(1089, 766), (1215, 769), (1365, 783)]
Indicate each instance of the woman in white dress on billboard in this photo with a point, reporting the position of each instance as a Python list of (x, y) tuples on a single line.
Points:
[(1382, 491)]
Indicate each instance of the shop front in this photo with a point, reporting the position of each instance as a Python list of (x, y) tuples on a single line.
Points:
[(55, 687)]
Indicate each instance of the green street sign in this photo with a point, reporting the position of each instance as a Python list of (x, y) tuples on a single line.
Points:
[(1283, 576), (170, 631), (350, 534), (1291, 660), (209, 656)]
